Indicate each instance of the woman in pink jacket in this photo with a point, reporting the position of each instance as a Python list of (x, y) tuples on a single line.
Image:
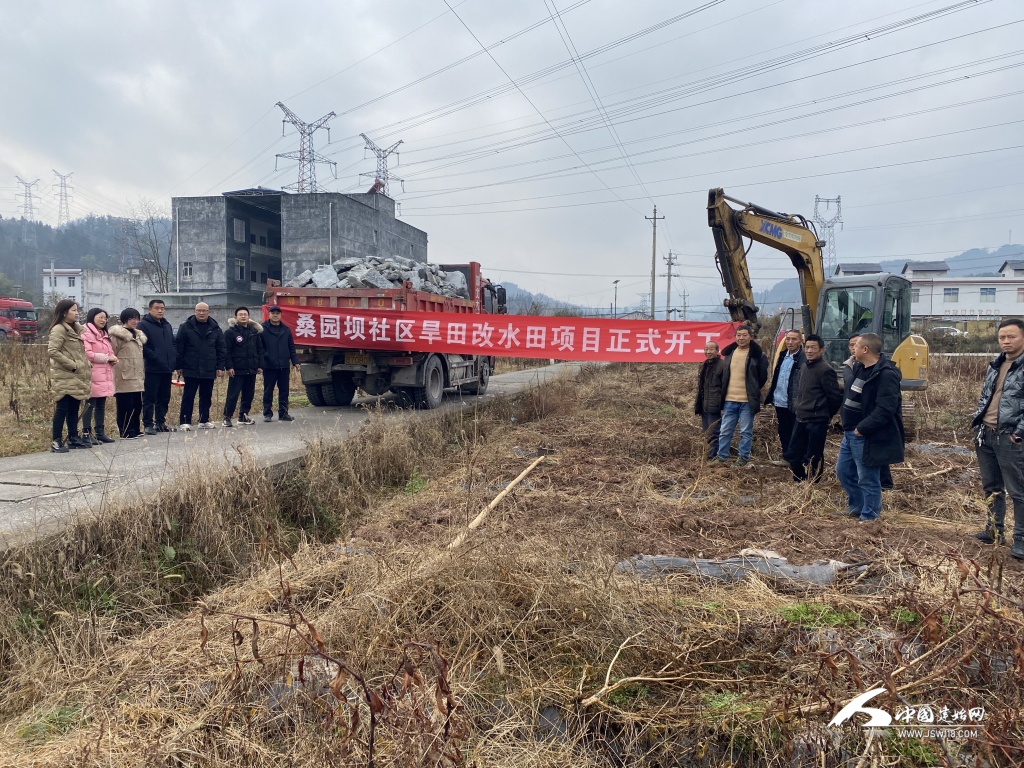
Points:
[(101, 355)]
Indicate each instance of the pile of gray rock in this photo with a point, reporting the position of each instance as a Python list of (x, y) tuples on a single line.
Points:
[(384, 273)]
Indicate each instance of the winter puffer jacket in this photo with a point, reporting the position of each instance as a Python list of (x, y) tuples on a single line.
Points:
[(130, 371), (200, 349), (99, 351), (757, 373), (278, 346), (158, 353), (1010, 418), (70, 371), (244, 348)]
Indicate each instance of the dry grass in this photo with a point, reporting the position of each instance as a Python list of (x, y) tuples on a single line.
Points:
[(551, 656)]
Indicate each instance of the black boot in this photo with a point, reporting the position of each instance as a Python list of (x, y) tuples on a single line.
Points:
[(88, 438), (58, 447), (78, 442), (102, 438), (1017, 550)]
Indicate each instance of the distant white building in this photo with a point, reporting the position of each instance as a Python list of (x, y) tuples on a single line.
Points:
[(113, 291), (937, 295)]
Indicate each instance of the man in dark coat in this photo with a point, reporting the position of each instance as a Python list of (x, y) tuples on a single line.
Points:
[(782, 393), (999, 437), (885, 473), (278, 357), (746, 371), (201, 358), (816, 401), (872, 428), (710, 396), (245, 361), (158, 359)]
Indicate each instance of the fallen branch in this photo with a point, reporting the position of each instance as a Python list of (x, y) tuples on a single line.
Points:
[(479, 519)]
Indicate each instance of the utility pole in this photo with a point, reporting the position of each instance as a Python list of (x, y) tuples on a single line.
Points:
[(828, 229), (307, 154), (27, 210), (615, 300), (671, 261), (383, 175), (654, 253), (63, 214)]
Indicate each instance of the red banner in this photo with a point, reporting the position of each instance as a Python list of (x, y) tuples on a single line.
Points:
[(560, 338)]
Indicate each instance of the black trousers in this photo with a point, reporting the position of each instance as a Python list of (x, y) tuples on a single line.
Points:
[(1002, 474), (156, 397), (65, 411), (129, 413), (807, 449), (711, 423), (188, 398), (786, 420), (240, 384), (94, 407), (275, 377)]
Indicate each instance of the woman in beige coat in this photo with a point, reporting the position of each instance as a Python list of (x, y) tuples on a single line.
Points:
[(129, 373), (70, 375)]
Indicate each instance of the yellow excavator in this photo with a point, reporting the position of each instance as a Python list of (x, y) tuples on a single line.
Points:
[(834, 308)]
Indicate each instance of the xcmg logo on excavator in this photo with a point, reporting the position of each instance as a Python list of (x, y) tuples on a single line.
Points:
[(772, 230)]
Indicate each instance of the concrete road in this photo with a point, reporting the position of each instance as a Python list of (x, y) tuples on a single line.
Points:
[(41, 492)]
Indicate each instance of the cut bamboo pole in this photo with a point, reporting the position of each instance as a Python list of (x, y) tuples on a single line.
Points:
[(477, 521)]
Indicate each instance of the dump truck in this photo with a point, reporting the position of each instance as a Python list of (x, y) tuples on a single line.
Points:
[(331, 375), (17, 319)]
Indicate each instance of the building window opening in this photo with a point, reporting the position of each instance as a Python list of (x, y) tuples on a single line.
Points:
[(186, 270), (263, 278), (1020, 295), (239, 230), (240, 268), (263, 240), (988, 295), (71, 282), (951, 295), (915, 295), (252, 276), (252, 239)]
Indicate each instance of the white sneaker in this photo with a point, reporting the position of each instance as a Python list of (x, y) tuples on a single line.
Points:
[(206, 425), (185, 427)]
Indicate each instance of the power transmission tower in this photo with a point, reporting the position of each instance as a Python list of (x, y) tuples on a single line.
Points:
[(63, 214), (671, 261), (827, 229), (383, 175), (654, 253), (27, 210), (307, 154)]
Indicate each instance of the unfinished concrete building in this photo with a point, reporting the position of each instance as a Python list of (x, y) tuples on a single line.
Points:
[(225, 247)]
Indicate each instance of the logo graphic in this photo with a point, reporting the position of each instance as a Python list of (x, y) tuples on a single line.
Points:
[(879, 717), (773, 230)]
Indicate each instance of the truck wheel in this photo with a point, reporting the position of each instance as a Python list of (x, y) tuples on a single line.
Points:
[(479, 387), (3, 335), (430, 394), (316, 397), (344, 389)]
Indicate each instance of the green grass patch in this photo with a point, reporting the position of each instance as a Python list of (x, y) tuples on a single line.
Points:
[(56, 722), (818, 615)]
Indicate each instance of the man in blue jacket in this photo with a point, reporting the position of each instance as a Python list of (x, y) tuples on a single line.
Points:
[(278, 357), (158, 357)]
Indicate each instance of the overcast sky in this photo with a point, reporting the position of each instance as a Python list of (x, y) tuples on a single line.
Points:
[(541, 156)]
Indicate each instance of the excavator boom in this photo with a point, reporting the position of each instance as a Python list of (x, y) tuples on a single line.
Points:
[(793, 235)]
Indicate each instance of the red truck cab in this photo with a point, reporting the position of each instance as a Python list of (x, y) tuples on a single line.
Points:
[(17, 319)]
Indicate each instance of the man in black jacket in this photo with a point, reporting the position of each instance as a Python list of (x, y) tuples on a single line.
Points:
[(746, 371), (817, 400), (999, 437), (710, 396), (245, 361), (200, 345), (872, 428), (278, 357), (884, 473), (782, 393), (158, 358)]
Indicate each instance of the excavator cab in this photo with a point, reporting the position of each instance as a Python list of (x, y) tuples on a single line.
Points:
[(873, 304)]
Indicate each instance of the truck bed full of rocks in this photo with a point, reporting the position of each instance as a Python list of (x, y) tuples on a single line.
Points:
[(383, 273)]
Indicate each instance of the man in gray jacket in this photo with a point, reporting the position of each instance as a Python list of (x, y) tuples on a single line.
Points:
[(999, 437)]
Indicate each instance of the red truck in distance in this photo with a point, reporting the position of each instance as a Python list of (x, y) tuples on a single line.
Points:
[(17, 320), (331, 375)]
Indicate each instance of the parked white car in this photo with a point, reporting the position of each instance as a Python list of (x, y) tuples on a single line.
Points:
[(949, 331)]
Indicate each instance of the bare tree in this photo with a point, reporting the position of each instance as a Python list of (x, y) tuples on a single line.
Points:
[(147, 243)]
